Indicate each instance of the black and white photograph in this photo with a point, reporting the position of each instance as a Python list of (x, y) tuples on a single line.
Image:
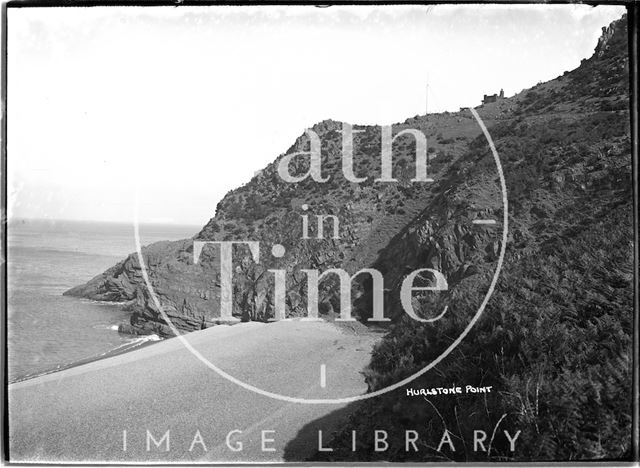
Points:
[(329, 234)]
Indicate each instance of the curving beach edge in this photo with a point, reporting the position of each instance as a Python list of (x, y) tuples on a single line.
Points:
[(137, 398)]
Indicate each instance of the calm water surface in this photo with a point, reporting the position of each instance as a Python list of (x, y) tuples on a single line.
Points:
[(47, 331)]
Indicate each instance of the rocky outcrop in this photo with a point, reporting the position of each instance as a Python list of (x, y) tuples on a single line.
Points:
[(185, 290), (616, 31)]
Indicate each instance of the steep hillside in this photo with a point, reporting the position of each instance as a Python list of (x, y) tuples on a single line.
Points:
[(269, 210), (555, 340)]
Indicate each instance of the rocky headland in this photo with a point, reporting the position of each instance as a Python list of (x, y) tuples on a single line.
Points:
[(393, 227)]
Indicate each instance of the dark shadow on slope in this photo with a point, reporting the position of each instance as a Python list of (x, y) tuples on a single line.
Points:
[(304, 446)]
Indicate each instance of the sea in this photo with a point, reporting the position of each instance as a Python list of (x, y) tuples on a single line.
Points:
[(47, 331)]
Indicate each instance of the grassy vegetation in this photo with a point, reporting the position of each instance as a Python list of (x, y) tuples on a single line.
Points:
[(555, 339)]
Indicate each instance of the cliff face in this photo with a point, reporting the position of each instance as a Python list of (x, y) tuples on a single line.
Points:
[(183, 288), (394, 227)]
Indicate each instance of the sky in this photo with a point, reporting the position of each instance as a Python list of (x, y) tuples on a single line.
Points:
[(175, 106)]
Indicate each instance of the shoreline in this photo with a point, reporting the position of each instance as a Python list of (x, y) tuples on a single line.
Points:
[(146, 341), (122, 349), (69, 416)]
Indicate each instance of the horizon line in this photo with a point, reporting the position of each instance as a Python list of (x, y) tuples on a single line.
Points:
[(103, 221)]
